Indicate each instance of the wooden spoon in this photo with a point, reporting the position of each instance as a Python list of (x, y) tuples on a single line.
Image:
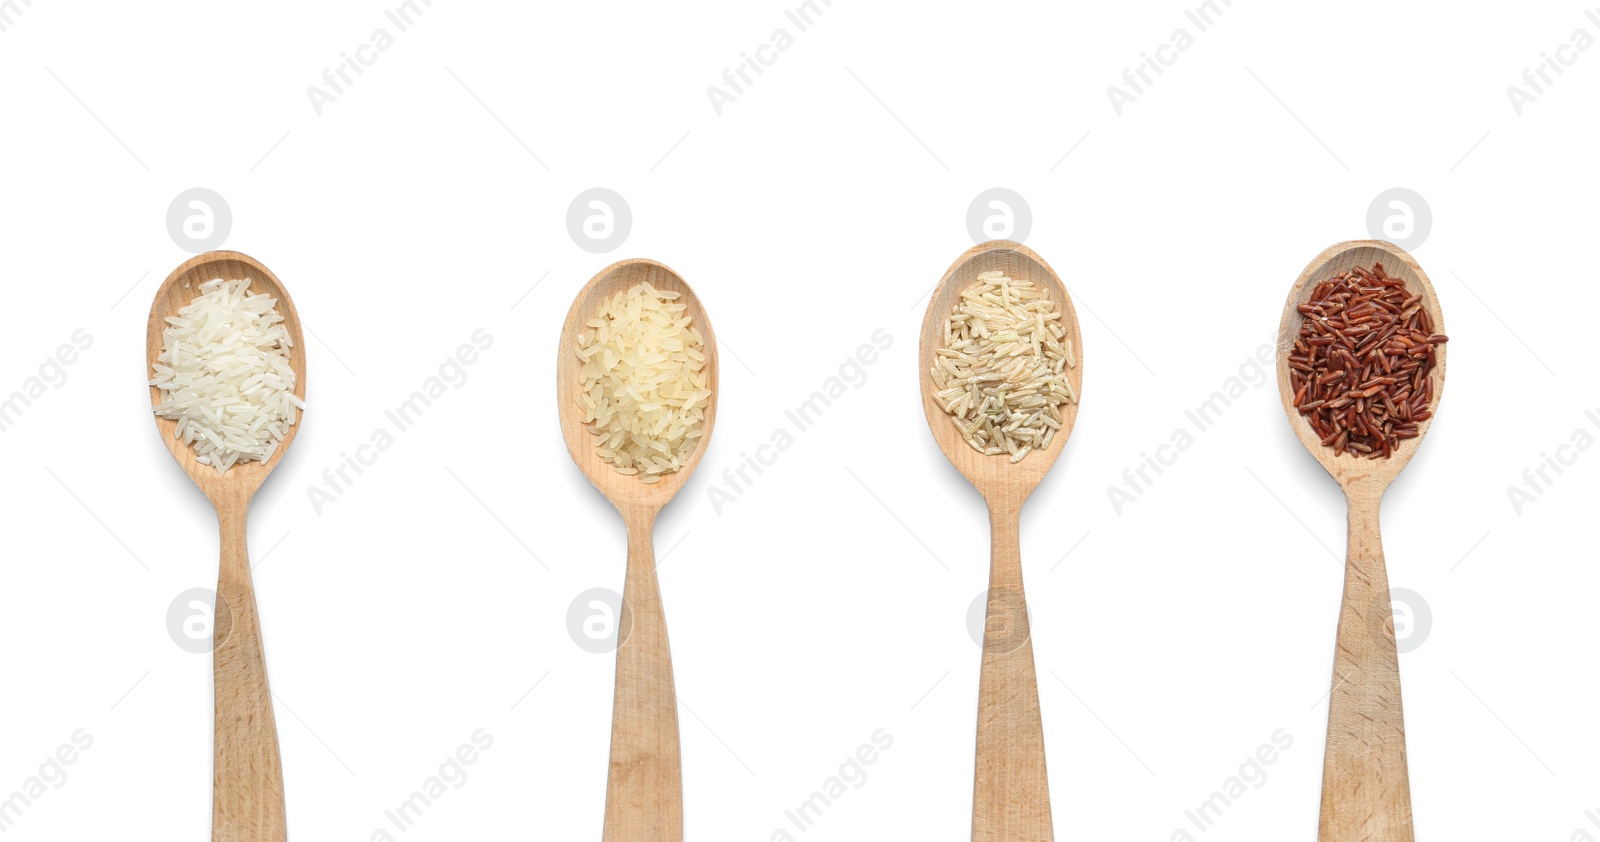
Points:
[(644, 788), (1366, 795), (247, 778), (1011, 795)]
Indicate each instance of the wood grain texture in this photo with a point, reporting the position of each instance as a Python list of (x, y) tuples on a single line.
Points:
[(247, 775), (1366, 792), (644, 791), (1011, 791), (644, 786)]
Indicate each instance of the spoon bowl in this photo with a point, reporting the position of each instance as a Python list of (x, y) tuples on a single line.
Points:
[(1366, 790), (1011, 790), (644, 784), (626, 492), (995, 475), (1347, 468), (247, 772), (182, 287)]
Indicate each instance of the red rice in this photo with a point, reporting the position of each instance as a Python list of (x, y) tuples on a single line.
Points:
[(1360, 364)]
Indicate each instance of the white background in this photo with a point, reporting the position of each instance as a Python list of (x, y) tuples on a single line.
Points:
[(829, 600)]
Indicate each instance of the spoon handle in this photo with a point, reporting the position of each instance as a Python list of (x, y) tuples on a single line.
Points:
[(247, 783), (1366, 794), (644, 788), (1010, 793)]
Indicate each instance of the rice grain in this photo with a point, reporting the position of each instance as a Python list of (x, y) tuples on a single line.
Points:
[(1001, 375), (643, 382), (224, 375), (1361, 362)]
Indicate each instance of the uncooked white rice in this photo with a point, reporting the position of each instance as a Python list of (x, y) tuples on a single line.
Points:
[(643, 382), (224, 375), (1001, 374)]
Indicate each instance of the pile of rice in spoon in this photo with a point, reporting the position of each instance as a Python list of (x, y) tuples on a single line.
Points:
[(1002, 372), (643, 382), (224, 375)]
